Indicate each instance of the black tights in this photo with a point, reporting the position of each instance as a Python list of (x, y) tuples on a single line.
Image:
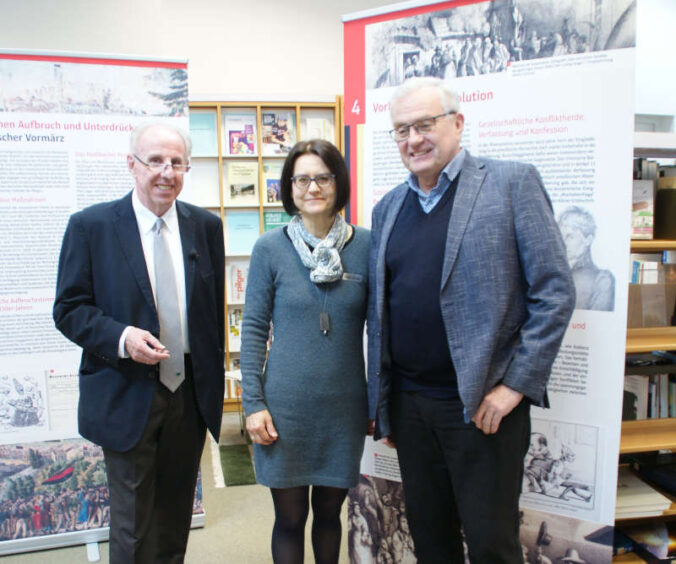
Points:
[(291, 511)]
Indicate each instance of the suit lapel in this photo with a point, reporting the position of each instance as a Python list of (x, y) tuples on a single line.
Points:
[(471, 178), (128, 234), (388, 224), (186, 226)]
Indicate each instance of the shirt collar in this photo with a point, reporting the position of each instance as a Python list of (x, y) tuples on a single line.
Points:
[(448, 174), (146, 219)]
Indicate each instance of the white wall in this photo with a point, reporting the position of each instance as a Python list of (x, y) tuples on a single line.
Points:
[(655, 57), (268, 49), (246, 49)]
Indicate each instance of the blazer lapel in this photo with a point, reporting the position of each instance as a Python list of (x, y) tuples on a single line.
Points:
[(128, 234), (186, 225), (388, 224), (471, 178)]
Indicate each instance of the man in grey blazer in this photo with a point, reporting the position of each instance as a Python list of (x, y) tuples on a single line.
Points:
[(470, 296)]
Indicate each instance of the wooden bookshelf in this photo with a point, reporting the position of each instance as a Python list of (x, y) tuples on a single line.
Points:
[(230, 178), (648, 435), (652, 245), (647, 339)]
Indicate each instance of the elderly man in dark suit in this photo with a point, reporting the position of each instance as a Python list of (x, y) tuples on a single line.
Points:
[(470, 296), (140, 288)]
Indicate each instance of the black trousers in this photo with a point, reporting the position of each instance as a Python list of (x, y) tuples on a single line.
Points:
[(152, 486), (457, 479)]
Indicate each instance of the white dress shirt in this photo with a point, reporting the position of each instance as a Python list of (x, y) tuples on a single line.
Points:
[(146, 222)]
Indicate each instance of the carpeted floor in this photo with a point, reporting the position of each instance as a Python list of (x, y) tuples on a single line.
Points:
[(237, 465)]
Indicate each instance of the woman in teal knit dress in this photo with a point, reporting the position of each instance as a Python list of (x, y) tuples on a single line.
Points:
[(306, 404)]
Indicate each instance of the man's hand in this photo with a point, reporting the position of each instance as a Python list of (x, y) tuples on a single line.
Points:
[(260, 428), (143, 347), (496, 404), (389, 441)]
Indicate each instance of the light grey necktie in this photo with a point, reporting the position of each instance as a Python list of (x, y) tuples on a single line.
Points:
[(172, 370)]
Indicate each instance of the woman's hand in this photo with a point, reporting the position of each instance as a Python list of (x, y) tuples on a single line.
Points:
[(260, 428)]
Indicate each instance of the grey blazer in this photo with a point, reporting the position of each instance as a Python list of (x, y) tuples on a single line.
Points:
[(506, 290)]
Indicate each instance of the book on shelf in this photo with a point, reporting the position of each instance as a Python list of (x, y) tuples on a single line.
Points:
[(240, 133), (272, 173), (242, 183), (649, 397), (235, 388), (652, 292), (661, 396), (203, 133), (242, 230), (319, 128), (646, 169), (658, 468), (642, 210), (653, 540), (649, 268), (201, 185), (278, 132), (636, 498), (238, 272), (234, 365), (234, 329), (233, 376), (274, 219), (665, 209), (635, 402)]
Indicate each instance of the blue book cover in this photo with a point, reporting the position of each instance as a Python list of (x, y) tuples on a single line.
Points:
[(243, 228)]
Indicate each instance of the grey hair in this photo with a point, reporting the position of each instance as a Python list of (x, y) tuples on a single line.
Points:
[(141, 128), (447, 96), (580, 219)]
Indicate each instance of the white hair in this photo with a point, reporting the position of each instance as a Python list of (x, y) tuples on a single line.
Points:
[(447, 96), (141, 128)]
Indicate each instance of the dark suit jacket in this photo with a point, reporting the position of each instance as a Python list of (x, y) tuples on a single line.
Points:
[(103, 286), (506, 290)]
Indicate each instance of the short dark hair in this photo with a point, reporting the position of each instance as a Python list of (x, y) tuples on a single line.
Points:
[(332, 159)]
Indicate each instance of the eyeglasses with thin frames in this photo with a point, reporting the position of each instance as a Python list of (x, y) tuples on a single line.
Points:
[(422, 126), (159, 166), (303, 181)]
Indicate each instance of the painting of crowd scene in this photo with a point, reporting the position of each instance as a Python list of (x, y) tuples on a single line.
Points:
[(56, 487), (51, 487), (488, 37)]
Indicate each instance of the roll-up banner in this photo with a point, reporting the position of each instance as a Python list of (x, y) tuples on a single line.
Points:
[(65, 121), (548, 82)]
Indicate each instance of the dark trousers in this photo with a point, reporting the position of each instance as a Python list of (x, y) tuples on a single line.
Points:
[(152, 486), (455, 477)]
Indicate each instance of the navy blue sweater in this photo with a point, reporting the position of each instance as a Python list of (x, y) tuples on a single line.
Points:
[(421, 360)]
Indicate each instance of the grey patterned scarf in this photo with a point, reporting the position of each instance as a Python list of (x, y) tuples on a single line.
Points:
[(324, 261)]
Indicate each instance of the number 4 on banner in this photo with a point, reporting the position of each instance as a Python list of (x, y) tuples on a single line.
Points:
[(355, 107)]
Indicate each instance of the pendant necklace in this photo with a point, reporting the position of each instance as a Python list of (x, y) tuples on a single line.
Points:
[(324, 319)]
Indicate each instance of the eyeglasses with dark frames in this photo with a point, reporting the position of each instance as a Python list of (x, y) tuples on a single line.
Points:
[(422, 126), (303, 181)]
